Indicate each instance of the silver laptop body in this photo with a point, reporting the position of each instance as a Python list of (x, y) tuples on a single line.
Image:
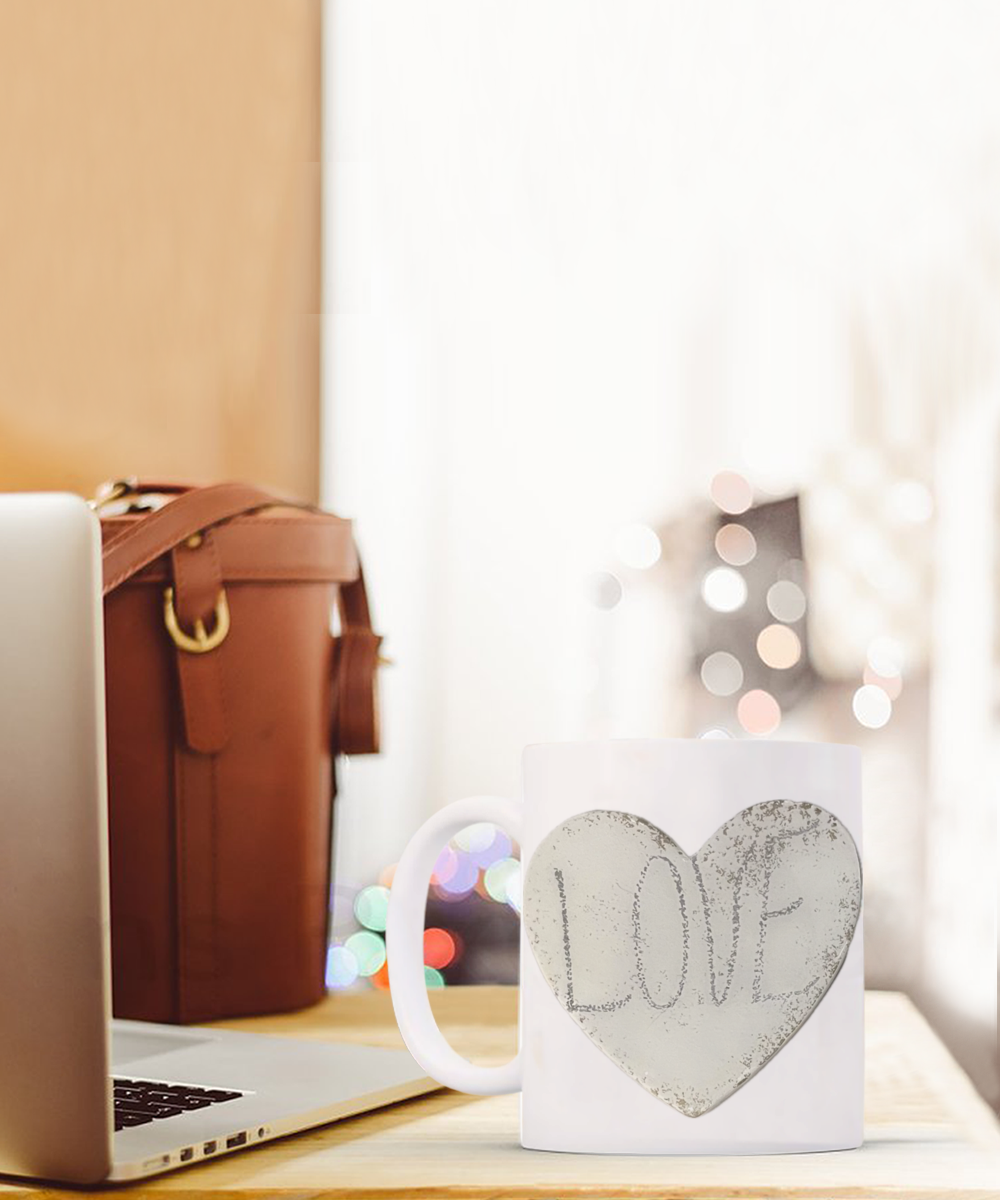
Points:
[(59, 1049)]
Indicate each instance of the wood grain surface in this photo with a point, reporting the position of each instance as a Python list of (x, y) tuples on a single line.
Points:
[(928, 1134)]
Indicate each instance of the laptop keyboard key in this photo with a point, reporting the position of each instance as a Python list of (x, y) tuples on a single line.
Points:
[(125, 1120), (149, 1109), (139, 1101)]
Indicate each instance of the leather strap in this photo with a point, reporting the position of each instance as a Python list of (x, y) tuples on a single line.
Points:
[(197, 584), (355, 726), (279, 545), (188, 513)]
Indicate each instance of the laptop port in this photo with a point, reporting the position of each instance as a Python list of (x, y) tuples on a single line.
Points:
[(187, 1154), (238, 1139), (210, 1147)]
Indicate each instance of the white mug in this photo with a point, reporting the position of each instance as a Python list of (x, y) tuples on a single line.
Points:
[(691, 947)]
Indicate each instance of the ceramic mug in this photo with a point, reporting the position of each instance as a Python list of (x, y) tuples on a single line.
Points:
[(691, 947)]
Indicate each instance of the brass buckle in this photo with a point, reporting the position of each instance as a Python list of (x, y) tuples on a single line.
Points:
[(111, 490), (202, 642)]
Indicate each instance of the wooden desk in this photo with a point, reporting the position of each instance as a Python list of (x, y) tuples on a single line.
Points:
[(929, 1136)]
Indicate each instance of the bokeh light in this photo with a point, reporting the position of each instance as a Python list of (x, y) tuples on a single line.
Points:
[(892, 685), (872, 706), (480, 858), (779, 647), (445, 866), (758, 712), (341, 967), (885, 656), (721, 673), (604, 590), (736, 545), (498, 876), (433, 978), (371, 907), (638, 546), (499, 847), (731, 492), (786, 601), (368, 950), (475, 837), (439, 948), (461, 881), (724, 589)]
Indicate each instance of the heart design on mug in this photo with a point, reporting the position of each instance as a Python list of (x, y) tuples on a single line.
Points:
[(690, 972)]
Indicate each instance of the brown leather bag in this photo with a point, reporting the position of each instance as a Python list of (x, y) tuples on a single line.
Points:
[(227, 698)]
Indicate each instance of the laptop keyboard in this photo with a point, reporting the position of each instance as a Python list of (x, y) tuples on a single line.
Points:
[(139, 1101)]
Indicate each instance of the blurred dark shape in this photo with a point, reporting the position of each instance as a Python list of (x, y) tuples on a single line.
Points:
[(776, 528)]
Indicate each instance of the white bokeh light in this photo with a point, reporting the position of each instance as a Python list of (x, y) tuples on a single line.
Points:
[(722, 673), (872, 706), (724, 589), (886, 656), (786, 601), (604, 590)]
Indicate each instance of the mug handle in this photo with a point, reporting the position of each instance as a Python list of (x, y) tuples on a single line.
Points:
[(405, 947)]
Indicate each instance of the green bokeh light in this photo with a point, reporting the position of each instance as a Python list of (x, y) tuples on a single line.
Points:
[(433, 977), (368, 949), (498, 876), (371, 907)]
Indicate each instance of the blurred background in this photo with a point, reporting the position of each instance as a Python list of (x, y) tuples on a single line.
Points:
[(655, 349)]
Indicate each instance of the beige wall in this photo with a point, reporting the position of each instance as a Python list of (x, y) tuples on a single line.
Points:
[(159, 241)]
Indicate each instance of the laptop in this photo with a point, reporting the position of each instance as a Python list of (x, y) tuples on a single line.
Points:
[(83, 1098)]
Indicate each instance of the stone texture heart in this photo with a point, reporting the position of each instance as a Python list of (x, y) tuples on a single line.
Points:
[(691, 972)]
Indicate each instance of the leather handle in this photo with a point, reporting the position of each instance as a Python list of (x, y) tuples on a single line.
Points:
[(355, 718), (188, 513)]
